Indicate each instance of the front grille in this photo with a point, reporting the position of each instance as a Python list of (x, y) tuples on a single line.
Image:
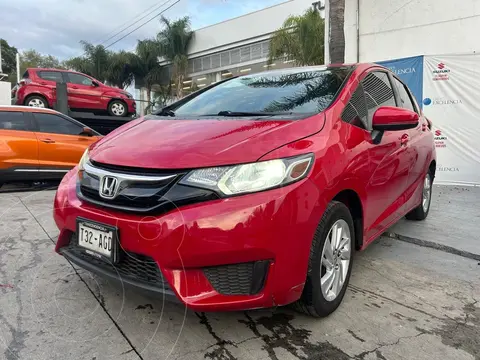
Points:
[(237, 279), (131, 266), (130, 170)]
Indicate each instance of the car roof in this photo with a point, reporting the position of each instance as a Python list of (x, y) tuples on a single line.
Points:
[(27, 109)]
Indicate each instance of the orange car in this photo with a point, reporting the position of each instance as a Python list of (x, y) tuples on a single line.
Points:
[(40, 144)]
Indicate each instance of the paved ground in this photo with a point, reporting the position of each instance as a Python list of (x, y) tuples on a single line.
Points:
[(454, 225), (404, 302)]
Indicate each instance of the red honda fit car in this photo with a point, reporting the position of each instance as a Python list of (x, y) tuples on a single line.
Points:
[(254, 191)]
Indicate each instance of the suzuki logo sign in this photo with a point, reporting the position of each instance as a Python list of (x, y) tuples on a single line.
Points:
[(108, 187), (319, 5)]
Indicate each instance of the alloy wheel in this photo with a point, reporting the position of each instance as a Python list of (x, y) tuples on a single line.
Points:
[(118, 109), (335, 260), (427, 192), (36, 103)]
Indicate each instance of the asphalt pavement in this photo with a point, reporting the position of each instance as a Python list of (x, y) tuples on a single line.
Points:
[(404, 301)]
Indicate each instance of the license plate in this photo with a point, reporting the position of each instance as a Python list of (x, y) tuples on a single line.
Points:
[(97, 239)]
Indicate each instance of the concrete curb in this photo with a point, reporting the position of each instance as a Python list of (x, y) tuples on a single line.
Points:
[(433, 245)]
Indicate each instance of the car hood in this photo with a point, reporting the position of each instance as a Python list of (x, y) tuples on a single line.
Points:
[(176, 144)]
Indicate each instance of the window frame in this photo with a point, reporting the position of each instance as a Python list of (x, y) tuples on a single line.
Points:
[(67, 76), (36, 127), (39, 72), (394, 89), (26, 119), (409, 93), (358, 86)]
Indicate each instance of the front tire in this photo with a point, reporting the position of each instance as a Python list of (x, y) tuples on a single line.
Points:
[(117, 108), (421, 211), (330, 262)]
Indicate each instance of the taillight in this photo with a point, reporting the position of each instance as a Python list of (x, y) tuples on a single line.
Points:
[(24, 82)]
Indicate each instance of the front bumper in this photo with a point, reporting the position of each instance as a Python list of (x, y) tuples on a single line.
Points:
[(239, 253)]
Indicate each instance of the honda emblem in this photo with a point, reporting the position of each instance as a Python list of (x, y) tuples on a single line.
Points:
[(108, 187)]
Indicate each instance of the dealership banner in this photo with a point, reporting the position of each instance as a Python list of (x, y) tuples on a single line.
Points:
[(410, 71), (452, 102)]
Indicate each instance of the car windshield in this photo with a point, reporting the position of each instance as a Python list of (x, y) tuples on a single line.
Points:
[(276, 93)]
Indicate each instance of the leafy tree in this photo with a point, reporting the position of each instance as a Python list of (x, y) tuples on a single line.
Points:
[(94, 62), (119, 71), (8, 57), (32, 59), (174, 40), (336, 42), (9, 61), (145, 65), (301, 38)]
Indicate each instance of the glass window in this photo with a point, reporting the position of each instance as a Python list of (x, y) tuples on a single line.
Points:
[(405, 100), (12, 120), (54, 124), (378, 92), (355, 111), (26, 75), (51, 76), (78, 79), (295, 90)]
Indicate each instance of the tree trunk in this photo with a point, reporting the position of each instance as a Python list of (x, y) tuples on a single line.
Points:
[(179, 86), (336, 32), (149, 100)]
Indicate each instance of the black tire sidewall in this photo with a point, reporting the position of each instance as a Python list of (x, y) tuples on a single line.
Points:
[(322, 306), (117, 102)]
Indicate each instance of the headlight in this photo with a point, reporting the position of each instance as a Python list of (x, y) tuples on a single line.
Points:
[(83, 160), (247, 178), (128, 95)]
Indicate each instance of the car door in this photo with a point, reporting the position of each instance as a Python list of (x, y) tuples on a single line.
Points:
[(60, 141), (48, 80), (418, 145), (388, 160), (83, 92), (18, 145)]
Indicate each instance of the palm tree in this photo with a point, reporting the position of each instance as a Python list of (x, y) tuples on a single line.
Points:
[(301, 39), (145, 65), (94, 62), (174, 40), (336, 19), (119, 71)]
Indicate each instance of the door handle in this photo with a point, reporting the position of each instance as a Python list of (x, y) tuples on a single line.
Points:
[(74, 87), (48, 141), (404, 139)]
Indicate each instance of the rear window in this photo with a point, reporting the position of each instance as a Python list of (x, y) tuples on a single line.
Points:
[(294, 91), (26, 75), (51, 76)]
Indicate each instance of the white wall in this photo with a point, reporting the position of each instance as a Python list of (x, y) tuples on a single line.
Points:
[(392, 29), (5, 93), (242, 30)]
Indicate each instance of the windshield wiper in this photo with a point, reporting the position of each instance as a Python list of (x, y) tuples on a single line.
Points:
[(251, 113)]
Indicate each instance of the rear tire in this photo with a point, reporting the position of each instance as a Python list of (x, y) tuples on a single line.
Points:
[(36, 101), (118, 108), (421, 211), (321, 295)]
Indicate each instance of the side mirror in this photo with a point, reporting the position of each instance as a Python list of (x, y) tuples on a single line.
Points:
[(87, 132), (94, 84), (389, 118)]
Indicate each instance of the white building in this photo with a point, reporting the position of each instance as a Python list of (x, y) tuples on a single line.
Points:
[(381, 30), (392, 29)]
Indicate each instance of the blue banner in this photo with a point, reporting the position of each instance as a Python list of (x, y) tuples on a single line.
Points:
[(410, 71)]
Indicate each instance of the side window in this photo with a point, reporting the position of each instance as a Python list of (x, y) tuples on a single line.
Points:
[(51, 76), (54, 124), (405, 99), (378, 92), (12, 120), (355, 111), (79, 79)]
